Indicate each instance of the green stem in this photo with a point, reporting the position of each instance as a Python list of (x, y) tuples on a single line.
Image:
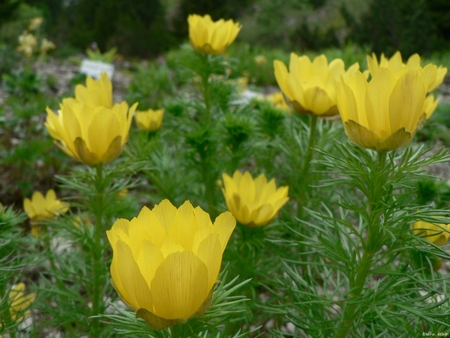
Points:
[(97, 250), (177, 331), (209, 186), (207, 90), (304, 179), (370, 248)]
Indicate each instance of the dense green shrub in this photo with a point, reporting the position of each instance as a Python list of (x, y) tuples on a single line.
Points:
[(391, 25)]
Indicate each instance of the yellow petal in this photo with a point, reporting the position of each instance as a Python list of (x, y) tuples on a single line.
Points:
[(180, 286)]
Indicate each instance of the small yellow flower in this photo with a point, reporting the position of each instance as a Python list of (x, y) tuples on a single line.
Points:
[(309, 85), (438, 234), (149, 120), (89, 127), (35, 23), (278, 101), (46, 45), (40, 207), (19, 302), (260, 60), (211, 37), (27, 44), (253, 202), (166, 261)]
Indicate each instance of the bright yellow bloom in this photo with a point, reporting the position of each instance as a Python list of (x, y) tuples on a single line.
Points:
[(211, 37), (96, 92), (149, 120), (88, 127), (27, 43), (40, 207), (35, 23), (382, 114), (438, 234), (430, 74), (309, 84), (166, 261), (253, 202), (19, 302)]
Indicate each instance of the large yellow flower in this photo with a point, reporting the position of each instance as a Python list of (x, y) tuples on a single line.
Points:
[(437, 234), (166, 261), (382, 114), (19, 303), (149, 120), (308, 85), (253, 202), (96, 92), (211, 37), (430, 74), (89, 127), (40, 207)]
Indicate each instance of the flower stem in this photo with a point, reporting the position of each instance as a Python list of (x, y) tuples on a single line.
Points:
[(303, 181), (97, 249), (370, 247), (207, 90)]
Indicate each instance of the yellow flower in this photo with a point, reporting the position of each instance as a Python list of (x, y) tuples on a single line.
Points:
[(40, 207), (253, 202), (34, 23), (438, 234), (278, 101), (96, 92), (211, 37), (309, 85), (382, 114), (260, 60), (430, 74), (149, 120), (19, 302), (166, 261), (27, 43), (88, 127), (46, 45)]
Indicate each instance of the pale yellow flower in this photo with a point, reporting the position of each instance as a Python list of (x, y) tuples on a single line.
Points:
[(19, 302), (46, 45), (254, 202), (35, 23), (149, 120), (438, 234), (40, 207), (260, 60), (89, 127), (278, 101), (211, 37), (166, 261), (27, 43), (308, 85)]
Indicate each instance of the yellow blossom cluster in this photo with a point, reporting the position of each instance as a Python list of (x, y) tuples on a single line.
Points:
[(29, 42)]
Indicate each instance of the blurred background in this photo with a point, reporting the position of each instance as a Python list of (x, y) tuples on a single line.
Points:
[(148, 28)]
